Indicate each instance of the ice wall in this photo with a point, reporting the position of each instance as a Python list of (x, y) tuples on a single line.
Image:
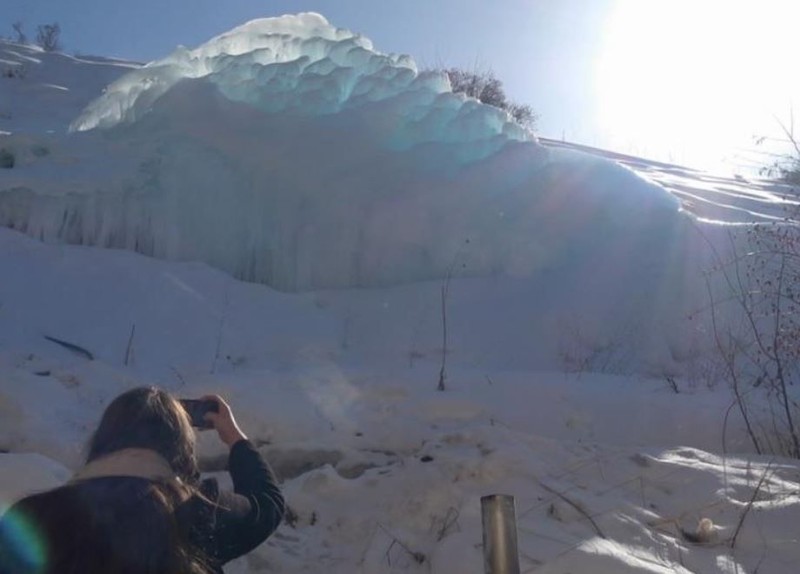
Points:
[(291, 153), (301, 65)]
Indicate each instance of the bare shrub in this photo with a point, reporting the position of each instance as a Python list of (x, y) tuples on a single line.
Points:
[(756, 326), (484, 86), (785, 165), (7, 159), (583, 350), (48, 37), (15, 71)]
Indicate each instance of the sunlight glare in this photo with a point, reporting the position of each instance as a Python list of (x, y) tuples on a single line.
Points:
[(688, 80)]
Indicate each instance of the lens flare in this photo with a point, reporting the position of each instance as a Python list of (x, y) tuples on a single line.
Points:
[(25, 549)]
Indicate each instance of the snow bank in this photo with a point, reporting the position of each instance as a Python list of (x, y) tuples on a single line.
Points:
[(291, 153)]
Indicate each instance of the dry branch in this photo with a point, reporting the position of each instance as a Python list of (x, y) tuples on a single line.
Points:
[(129, 348), (418, 557), (750, 505), (77, 349), (576, 506)]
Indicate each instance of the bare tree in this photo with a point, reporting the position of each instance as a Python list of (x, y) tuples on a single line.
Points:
[(18, 30), (48, 37)]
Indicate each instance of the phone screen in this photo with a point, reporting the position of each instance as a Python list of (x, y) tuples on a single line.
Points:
[(197, 409)]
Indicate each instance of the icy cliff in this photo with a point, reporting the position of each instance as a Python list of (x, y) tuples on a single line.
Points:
[(291, 153), (302, 66)]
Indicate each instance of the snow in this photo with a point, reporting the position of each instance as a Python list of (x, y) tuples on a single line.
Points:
[(312, 161), (52, 87), (369, 450), (570, 281), (711, 198)]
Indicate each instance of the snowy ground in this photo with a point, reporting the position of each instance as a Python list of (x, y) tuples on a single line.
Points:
[(372, 452), (553, 394)]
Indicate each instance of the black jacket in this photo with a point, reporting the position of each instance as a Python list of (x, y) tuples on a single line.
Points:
[(70, 525), (225, 525)]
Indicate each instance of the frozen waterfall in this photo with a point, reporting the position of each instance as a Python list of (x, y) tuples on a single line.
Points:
[(290, 152)]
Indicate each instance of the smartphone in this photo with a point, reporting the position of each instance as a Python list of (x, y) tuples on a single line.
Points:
[(197, 408)]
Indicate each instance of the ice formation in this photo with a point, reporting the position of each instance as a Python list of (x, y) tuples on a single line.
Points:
[(291, 153), (302, 65)]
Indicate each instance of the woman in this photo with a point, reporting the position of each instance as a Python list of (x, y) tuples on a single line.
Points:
[(138, 506)]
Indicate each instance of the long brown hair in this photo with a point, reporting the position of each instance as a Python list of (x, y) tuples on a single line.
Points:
[(148, 417), (115, 525)]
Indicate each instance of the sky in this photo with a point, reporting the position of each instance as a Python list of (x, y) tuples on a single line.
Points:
[(691, 81)]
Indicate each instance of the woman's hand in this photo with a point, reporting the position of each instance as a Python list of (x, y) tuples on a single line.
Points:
[(229, 432)]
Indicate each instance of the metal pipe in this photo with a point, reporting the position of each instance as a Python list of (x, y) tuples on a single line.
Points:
[(500, 555)]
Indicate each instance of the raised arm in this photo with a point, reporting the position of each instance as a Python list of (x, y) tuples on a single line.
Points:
[(247, 516)]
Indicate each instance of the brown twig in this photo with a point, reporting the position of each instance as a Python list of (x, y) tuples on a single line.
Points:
[(418, 557), (220, 328), (450, 519), (445, 292), (576, 506), (178, 374), (129, 348), (72, 347), (750, 504)]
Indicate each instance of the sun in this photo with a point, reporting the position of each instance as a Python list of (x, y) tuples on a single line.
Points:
[(690, 78)]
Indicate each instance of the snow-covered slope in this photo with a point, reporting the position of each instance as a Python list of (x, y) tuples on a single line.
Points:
[(43, 92), (711, 198)]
